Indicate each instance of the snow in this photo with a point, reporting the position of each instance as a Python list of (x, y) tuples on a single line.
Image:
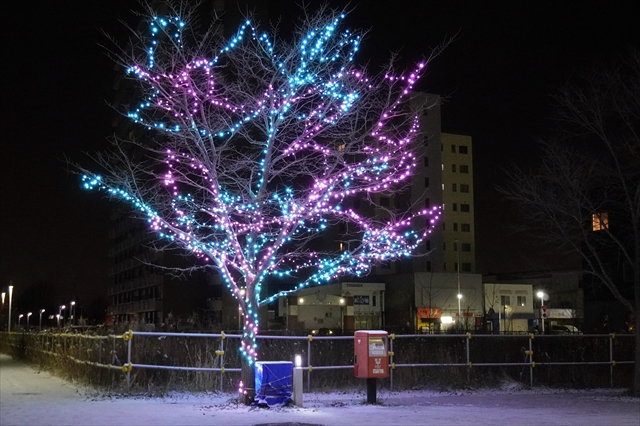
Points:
[(29, 397)]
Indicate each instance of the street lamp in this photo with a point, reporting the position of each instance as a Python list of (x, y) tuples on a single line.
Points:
[(28, 315), (41, 312), (542, 295), (458, 270), (60, 314), (72, 310), (19, 318), (10, 298), (58, 319)]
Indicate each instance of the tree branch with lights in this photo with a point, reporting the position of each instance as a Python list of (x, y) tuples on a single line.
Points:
[(252, 149)]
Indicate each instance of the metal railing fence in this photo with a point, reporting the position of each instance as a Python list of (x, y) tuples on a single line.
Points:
[(150, 350)]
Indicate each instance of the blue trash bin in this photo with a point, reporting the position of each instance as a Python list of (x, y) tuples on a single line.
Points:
[(273, 383)]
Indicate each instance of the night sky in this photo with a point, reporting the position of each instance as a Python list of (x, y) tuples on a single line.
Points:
[(497, 77)]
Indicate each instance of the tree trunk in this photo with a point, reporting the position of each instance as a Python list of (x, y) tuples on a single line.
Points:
[(247, 376)]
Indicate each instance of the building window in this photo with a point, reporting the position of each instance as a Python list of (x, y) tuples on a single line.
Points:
[(522, 300), (462, 149), (373, 300), (341, 147), (427, 244), (466, 267), (428, 266), (426, 182), (466, 247), (464, 168), (465, 208), (455, 207), (600, 221), (454, 187), (453, 149), (465, 227), (426, 161), (505, 300), (455, 226), (464, 187), (453, 168), (443, 186), (443, 228), (455, 246), (427, 203), (444, 246)]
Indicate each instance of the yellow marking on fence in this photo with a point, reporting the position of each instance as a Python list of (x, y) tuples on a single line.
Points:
[(127, 335)]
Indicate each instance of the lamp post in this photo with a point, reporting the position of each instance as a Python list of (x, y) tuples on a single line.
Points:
[(28, 315), (541, 295), (10, 298), (60, 314), (41, 312), (4, 294), (72, 314), (58, 319), (19, 318), (458, 271)]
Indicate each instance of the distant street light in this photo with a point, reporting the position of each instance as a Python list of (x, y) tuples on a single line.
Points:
[(41, 312), (10, 298), (72, 310), (28, 315), (19, 318), (542, 295), (60, 314), (58, 319), (458, 273)]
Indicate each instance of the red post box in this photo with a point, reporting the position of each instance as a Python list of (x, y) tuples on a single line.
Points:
[(371, 355)]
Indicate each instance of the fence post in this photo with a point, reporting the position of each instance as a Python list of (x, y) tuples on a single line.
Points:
[(309, 363), (611, 337), (531, 359), (221, 361), (393, 337), (468, 359), (129, 362)]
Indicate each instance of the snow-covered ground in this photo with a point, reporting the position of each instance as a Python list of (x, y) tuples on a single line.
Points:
[(29, 397)]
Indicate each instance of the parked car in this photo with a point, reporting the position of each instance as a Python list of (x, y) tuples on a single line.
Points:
[(564, 329)]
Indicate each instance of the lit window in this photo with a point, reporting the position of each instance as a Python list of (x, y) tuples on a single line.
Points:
[(522, 300), (442, 166), (600, 221), (341, 147)]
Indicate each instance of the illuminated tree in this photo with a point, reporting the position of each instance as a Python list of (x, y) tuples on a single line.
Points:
[(255, 147)]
